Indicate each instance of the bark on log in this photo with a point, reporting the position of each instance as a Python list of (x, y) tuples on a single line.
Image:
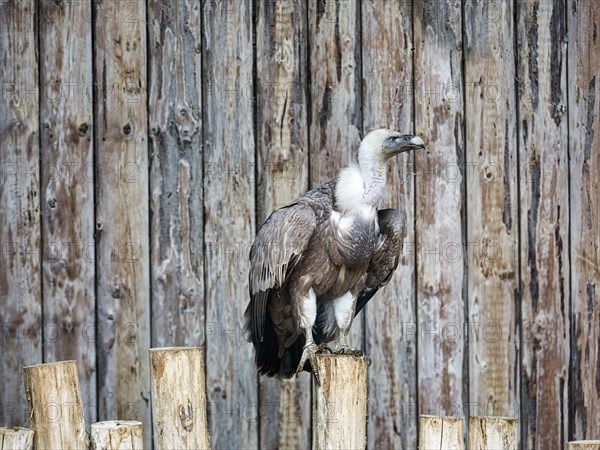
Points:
[(16, 439), (55, 406), (436, 432), (117, 435), (493, 433), (340, 403), (178, 398)]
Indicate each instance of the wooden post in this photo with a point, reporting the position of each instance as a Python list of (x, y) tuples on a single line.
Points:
[(117, 435), (492, 433), (583, 445), (16, 438), (55, 407), (178, 398), (339, 416), (437, 432)]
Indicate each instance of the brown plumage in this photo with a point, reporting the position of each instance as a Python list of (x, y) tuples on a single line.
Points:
[(316, 261)]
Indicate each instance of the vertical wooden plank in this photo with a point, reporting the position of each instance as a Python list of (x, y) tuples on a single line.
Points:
[(492, 222), (281, 176), (544, 218), (583, 23), (68, 190), (175, 93), (439, 190), (387, 43), (20, 234), (228, 137), (122, 267), (335, 120)]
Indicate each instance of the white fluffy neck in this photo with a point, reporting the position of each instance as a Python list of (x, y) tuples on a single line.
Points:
[(359, 188)]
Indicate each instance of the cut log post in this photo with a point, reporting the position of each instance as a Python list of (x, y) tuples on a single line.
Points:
[(55, 406), (16, 438), (437, 432), (492, 433), (178, 398), (117, 435), (340, 403), (583, 445)]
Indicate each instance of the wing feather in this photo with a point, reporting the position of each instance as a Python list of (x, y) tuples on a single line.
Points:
[(276, 250), (392, 226)]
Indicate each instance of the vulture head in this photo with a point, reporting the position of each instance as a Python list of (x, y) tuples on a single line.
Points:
[(380, 145)]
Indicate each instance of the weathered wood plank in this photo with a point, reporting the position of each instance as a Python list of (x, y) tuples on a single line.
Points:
[(491, 206), (544, 217), (281, 175), (334, 89), (583, 23), (20, 234), (386, 84), (175, 93), (68, 190), (229, 224), (440, 223), (123, 284)]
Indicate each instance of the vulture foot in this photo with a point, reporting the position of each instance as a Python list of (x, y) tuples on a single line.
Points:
[(343, 349), (310, 354), (324, 348)]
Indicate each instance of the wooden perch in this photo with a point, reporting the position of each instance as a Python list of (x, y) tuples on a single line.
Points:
[(16, 438), (583, 445), (117, 435), (340, 403), (492, 433), (55, 406), (437, 432), (178, 398)]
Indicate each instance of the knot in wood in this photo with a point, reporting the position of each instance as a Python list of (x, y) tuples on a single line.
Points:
[(187, 417), (83, 129)]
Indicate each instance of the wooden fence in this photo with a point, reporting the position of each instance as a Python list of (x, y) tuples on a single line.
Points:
[(179, 411), (143, 142)]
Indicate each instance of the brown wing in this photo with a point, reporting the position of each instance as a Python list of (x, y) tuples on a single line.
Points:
[(276, 250), (392, 227)]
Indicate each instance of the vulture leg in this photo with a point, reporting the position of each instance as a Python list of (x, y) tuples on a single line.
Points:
[(304, 301), (344, 313)]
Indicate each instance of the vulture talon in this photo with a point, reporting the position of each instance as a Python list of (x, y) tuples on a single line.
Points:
[(324, 348), (343, 349), (310, 354)]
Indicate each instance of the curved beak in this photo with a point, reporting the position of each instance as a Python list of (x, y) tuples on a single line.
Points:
[(395, 145)]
